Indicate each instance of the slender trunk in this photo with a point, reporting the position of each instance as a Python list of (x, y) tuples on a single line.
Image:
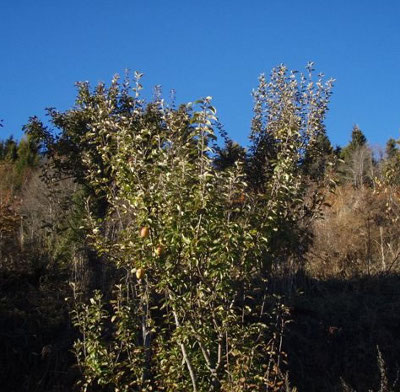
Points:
[(213, 370), (185, 356), (146, 333)]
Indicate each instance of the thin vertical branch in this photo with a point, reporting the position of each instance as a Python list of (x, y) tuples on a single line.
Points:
[(185, 355)]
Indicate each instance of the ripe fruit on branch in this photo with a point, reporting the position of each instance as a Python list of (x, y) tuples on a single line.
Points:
[(144, 232), (159, 250), (140, 273), (238, 200), (241, 199)]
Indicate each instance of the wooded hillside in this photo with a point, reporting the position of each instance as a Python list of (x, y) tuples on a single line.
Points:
[(141, 249)]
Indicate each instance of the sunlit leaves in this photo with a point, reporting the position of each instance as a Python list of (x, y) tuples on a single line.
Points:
[(201, 301)]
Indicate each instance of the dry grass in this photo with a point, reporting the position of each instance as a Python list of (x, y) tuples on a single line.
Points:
[(358, 235)]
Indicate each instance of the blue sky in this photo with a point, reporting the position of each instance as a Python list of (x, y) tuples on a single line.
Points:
[(203, 48)]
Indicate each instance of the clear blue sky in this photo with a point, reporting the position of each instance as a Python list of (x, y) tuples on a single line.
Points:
[(202, 48)]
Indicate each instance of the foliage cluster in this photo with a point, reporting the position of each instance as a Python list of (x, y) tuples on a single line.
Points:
[(185, 257), (191, 246)]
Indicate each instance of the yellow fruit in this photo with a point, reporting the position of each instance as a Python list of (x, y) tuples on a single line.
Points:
[(144, 232), (140, 273), (159, 250)]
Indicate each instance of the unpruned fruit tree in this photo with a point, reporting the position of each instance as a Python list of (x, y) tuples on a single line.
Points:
[(192, 245)]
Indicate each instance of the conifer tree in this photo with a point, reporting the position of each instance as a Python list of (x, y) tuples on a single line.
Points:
[(358, 163), (318, 158), (10, 149), (391, 148), (227, 156), (358, 140), (391, 165)]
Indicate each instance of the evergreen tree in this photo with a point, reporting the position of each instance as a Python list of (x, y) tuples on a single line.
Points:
[(28, 153), (391, 165), (318, 157), (10, 149), (227, 156), (358, 140), (358, 165), (391, 148)]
